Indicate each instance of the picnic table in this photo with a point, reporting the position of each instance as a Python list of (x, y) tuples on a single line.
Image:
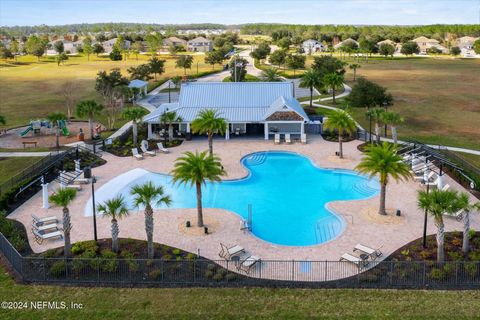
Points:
[(25, 143)]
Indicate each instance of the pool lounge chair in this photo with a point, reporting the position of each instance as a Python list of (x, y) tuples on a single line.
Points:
[(46, 220), (288, 140), (373, 253), (45, 227), (303, 138), (353, 259), (248, 264), (136, 154), (429, 176), (162, 148), (147, 152), (446, 187), (41, 236), (228, 253), (434, 183), (74, 186), (82, 181), (277, 138)]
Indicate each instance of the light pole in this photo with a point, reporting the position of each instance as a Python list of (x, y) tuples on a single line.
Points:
[(93, 181), (169, 100), (385, 104), (425, 220)]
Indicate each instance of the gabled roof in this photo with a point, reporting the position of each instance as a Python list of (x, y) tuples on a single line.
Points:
[(424, 39), (199, 39), (285, 104), (388, 41), (137, 83), (175, 39)]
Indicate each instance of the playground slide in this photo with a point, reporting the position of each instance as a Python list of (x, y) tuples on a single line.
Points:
[(24, 132), (65, 131)]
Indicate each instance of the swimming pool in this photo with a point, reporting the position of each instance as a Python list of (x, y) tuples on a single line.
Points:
[(287, 193)]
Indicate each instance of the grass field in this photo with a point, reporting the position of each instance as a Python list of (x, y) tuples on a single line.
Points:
[(242, 303), (9, 167), (32, 89)]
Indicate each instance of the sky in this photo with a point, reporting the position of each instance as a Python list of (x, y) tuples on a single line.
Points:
[(385, 12)]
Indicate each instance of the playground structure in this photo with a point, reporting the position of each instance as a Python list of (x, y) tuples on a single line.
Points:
[(36, 126)]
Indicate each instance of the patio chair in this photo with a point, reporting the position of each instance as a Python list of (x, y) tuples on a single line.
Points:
[(277, 138), (74, 186), (446, 187), (248, 264), (148, 152), (434, 183), (162, 148), (46, 220), (373, 253), (288, 140), (45, 227), (136, 154), (228, 253), (303, 138), (429, 176), (41, 236), (81, 181), (353, 259), (237, 131)]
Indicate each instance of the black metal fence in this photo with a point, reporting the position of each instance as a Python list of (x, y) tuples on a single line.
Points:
[(201, 272)]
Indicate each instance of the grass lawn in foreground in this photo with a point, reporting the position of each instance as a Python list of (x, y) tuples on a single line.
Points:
[(241, 303), (9, 167), (32, 89)]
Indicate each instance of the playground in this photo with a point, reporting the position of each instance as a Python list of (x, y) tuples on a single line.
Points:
[(40, 133)]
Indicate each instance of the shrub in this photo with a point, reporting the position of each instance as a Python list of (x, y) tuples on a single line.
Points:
[(218, 277), (167, 257), (177, 252), (474, 256), (471, 234), (155, 274), (471, 268), (457, 241), (231, 276), (449, 268), (190, 256), (52, 253), (109, 262), (211, 267), (425, 254), (455, 256), (130, 260), (209, 274), (405, 253), (436, 274), (58, 268), (222, 271), (18, 242)]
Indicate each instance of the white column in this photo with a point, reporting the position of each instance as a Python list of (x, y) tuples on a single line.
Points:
[(188, 127), (45, 205), (62, 180), (77, 166), (266, 130), (149, 135), (302, 128), (145, 90), (440, 181), (227, 132)]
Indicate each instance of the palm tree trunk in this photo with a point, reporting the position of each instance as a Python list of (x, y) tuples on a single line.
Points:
[(383, 192), (333, 92), (311, 96), (149, 230), (66, 232), (440, 239), (135, 132), (340, 140), (466, 229), (57, 137), (210, 144), (115, 232), (90, 127), (354, 74), (377, 132), (394, 134), (199, 205)]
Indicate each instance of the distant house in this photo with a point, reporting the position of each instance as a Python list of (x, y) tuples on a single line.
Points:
[(340, 44), (108, 45), (397, 46), (199, 44), (69, 47), (310, 46), (174, 41), (424, 44), (465, 42)]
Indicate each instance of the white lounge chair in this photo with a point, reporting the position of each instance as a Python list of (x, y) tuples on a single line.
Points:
[(277, 138), (46, 220), (74, 186), (353, 259), (228, 253), (248, 264), (430, 176), (40, 236), (446, 187), (303, 138), (136, 154), (162, 148), (148, 152), (288, 139), (374, 253), (81, 181), (45, 227)]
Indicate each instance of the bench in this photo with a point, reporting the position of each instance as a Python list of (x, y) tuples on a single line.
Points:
[(29, 143)]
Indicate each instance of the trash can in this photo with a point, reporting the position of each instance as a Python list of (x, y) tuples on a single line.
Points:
[(87, 172)]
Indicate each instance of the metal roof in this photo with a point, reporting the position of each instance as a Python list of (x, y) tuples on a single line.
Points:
[(137, 83)]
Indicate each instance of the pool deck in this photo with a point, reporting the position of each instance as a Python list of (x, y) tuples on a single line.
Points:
[(360, 227)]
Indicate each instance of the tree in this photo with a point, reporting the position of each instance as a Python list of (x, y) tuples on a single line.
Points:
[(437, 203), (57, 120), (209, 122), (213, 57), (311, 79), (134, 114), (463, 203), (100, 37), (113, 88), (376, 114), (115, 208), (195, 169), (62, 198), (237, 68), (342, 121), (89, 109), (367, 94), (137, 47), (284, 43), (153, 43), (69, 90), (354, 67), (145, 195), (328, 64), (333, 81), (98, 48), (349, 47), (168, 119), (476, 46), (295, 62), (157, 66), (58, 47), (261, 52), (142, 72), (386, 49), (384, 161), (61, 58), (367, 46), (270, 75), (115, 55), (35, 46), (393, 119), (5, 53), (278, 57), (87, 47), (455, 51), (185, 62), (410, 48), (15, 48)]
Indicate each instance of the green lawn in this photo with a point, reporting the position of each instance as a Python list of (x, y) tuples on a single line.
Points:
[(242, 303), (9, 167)]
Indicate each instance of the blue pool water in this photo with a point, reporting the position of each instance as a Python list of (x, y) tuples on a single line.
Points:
[(287, 194)]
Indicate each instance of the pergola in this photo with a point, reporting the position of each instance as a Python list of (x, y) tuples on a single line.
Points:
[(139, 84)]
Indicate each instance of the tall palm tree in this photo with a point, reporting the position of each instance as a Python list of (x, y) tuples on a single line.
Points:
[(383, 160), (463, 202), (341, 121), (437, 203), (393, 119), (195, 169), (333, 81), (311, 79), (134, 114), (169, 118), (354, 67), (209, 122), (114, 208), (377, 115), (62, 198), (89, 109), (270, 75), (57, 119), (144, 195)]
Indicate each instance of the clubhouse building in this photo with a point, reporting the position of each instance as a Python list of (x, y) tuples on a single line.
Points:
[(250, 108)]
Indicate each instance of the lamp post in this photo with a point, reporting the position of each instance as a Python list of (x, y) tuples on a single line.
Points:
[(169, 100), (425, 218), (369, 126), (93, 181), (385, 104)]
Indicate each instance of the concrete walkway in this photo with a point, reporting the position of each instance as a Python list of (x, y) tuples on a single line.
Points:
[(25, 154)]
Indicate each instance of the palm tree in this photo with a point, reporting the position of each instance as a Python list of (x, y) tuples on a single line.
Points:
[(62, 198), (57, 119), (2, 120), (342, 121), (114, 208), (377, 115), (333, 81), (134, 114), (89, 109), (270, 75), (311, 79), (463, 203), (354, 67), (195, 169), (437, 203), (209, 122), (169, 118), (383, 160), (144, 195), (393, 119)]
